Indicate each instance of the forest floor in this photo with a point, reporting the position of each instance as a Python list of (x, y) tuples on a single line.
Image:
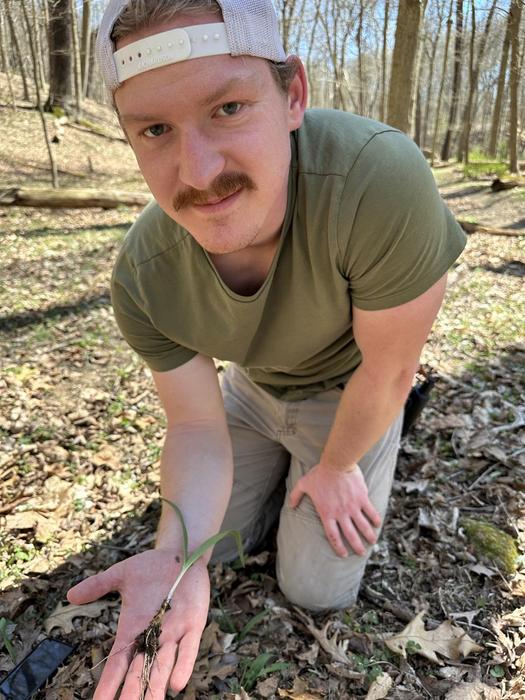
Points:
[(81, 431)]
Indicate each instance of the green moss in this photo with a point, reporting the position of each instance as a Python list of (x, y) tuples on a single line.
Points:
[(492, 543)]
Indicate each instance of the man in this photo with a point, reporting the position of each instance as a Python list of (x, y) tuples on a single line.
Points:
[(308, 248)]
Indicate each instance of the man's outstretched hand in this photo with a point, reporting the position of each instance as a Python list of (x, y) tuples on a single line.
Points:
[(143, 581), (341, 501)]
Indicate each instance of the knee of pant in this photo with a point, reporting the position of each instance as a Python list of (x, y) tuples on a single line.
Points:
[(315, 595)]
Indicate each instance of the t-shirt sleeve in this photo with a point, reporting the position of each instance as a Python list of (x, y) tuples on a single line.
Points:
[(159, 352), (396, 237)]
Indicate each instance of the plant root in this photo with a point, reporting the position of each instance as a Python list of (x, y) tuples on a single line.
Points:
[(147, 643)]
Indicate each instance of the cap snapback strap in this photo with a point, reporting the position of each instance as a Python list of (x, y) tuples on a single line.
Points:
[(172, 46)]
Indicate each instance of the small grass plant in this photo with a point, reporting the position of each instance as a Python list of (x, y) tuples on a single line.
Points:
[(253, 670), (147, 642)]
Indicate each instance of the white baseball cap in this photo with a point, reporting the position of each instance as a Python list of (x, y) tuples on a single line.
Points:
[(249, 28)]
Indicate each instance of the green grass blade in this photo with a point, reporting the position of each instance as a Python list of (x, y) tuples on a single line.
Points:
[(184, 531), (252, 623), (211, 542), (272, 668), (5, 638)]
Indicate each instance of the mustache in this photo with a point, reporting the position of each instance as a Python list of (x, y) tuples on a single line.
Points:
[(223, 186)]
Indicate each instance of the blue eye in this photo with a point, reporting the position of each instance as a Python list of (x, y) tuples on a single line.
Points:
[(230, 108), (155, 130)]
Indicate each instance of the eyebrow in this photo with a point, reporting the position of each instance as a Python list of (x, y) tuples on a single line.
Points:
[(251, 80)]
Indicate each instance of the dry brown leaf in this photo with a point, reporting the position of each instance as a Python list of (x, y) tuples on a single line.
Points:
[(380, 688), (109, 456), (334, 647), (473, 691), (311, 655), (446, 640), (299, 691), (268, 686), (63, 615)]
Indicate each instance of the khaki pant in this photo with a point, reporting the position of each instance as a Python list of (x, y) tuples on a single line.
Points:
[(274, 443)]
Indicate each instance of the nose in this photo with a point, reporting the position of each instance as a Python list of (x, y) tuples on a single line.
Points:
[(200, 160)]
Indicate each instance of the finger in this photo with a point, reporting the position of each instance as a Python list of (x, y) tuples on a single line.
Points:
[(364, 527), (114, 671), (296, 495), (161, 670), (371, 513), (352, 537), (133, 683), (334, 537), (187, 653), (93, 587)]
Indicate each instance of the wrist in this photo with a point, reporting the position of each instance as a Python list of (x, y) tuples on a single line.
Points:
[(337, 467)]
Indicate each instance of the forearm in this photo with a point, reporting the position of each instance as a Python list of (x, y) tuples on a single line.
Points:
[(196, 474), (369, 404)]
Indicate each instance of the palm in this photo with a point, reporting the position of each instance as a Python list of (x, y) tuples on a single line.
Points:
[(143, 582)]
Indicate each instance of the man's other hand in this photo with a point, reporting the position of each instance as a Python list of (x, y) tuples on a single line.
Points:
[(341, 500), (143, 581)]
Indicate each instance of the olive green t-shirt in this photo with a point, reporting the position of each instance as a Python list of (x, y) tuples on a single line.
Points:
[(364, 225)]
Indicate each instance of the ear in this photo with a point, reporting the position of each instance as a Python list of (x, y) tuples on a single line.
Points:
[(297, 94)]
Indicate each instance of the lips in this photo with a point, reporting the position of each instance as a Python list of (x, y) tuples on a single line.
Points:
[(218, 204)]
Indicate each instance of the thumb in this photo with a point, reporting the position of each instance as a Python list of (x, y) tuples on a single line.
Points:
[(296, 495), (93, 587)]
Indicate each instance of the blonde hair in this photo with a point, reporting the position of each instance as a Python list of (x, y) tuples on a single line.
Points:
[(139, 14)]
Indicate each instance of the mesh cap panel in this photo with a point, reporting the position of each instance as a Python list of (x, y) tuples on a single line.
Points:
[(251, 28)]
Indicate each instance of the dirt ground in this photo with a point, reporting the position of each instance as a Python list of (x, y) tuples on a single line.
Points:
[(81, 431)]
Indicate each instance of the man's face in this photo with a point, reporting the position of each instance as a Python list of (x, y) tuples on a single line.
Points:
[(211, 137)]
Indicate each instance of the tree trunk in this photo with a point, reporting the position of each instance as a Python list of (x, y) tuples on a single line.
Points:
[(442, 83), (431, 64), (416, 93), (76, 56), (5, 63), (287, 17), (474, 77), (92, 70), (515, 13), (359, 35), (39, 53), (85, 44), (382, 115), (456, 82), (75, 199), (60, 54), (54, 173), (496, 114), (16, 44), (401, 91), (468, 106)]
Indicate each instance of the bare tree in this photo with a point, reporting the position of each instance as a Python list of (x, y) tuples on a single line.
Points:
[(76, 55), (442, 82), (456, 82), (434, 41), (18, 51), (5, 63), (474, 68), (416, 95), (404, 64), (54, 171), (359, 42), (60, 54), (337, 19), (496, 114), (85, 44), (382, 113), (515, 19)]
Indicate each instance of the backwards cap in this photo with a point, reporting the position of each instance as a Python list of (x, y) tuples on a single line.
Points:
[(249, 28)]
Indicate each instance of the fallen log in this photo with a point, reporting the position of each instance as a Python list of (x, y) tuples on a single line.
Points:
[(470, 227), (498, 185), (74, 198)]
